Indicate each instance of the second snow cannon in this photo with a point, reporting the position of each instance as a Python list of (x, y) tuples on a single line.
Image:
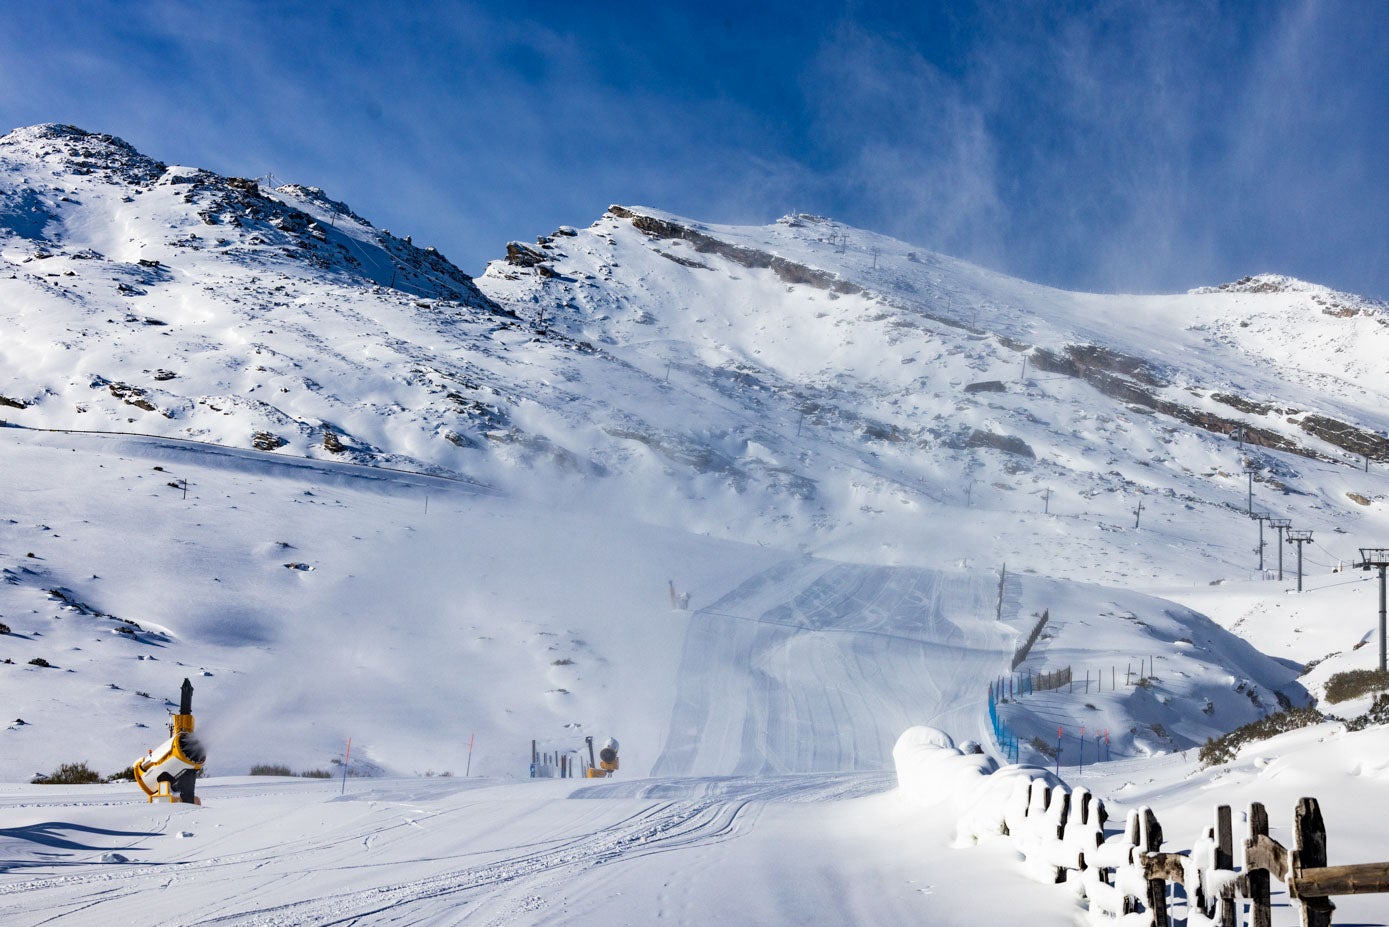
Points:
[(173, 766), (606, 763)]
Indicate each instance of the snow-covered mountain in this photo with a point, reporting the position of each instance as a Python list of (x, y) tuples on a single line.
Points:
[(801, 371), (353, 492)]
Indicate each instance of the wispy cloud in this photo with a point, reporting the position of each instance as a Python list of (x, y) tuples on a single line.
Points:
[(1119, 146), (908, 148)]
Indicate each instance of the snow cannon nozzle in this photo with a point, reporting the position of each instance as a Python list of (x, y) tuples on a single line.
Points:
[(607, 760)]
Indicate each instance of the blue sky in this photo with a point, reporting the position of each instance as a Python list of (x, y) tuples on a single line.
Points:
[(1136, 146)]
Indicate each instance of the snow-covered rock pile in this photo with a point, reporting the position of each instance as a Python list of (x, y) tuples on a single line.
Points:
[(1331, 302)]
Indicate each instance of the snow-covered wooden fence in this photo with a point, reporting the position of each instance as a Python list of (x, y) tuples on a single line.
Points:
[(1023, 649), (1128, 880)]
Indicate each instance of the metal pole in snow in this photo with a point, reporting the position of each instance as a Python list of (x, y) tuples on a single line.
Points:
[(1280, 525), (1299, 538), (1082, 749), (346, 759), (1381, 617), (1058, 751), (469, 770)]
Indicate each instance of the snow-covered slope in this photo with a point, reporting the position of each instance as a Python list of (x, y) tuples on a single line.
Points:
[(791, 375), (350, 492), (878, 390)]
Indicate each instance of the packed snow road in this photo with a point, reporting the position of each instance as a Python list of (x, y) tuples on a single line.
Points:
[(822, 848)]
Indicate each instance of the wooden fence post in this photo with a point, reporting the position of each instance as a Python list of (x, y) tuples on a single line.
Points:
[(1132, 823), (1157, 888), (1310, 831), (1256, 879), (1225, 859)]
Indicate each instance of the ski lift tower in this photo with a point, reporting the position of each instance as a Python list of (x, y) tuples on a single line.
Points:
[(1298, 537), (1280, 525), (1261, 517), (1377, 557)]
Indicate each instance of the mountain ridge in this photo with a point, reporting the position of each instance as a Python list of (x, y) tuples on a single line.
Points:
[(803, 368)]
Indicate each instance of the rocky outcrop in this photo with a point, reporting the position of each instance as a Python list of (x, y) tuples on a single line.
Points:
[(1242, 403), (788, 271), (1009, 444), (519, 254), (1133, 380), (1347, 437), (132, 395), (1092, 362)]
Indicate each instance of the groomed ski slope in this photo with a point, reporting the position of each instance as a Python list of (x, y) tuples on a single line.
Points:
[(811, 666)]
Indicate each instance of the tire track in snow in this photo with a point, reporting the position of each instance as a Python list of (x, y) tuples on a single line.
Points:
[(663, 827)]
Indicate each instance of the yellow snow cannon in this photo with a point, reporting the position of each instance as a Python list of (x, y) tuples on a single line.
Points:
[(606, 763), (173, 766)]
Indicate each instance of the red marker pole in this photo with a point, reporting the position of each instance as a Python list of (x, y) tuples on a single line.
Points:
[(347, 758), (469, 771)]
